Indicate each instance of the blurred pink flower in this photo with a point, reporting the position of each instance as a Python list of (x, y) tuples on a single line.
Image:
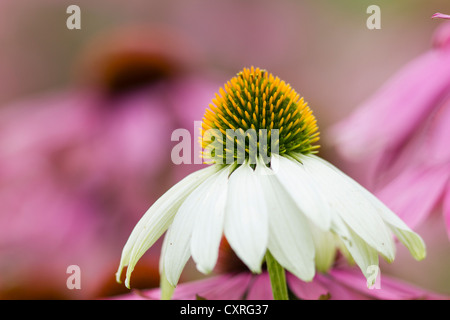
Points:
[(402, 134), (77, 166)]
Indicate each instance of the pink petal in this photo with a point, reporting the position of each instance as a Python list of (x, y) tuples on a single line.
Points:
[(389, 289), (338, 291), (260, 288), (446, 208), (414, 193), (441, 37), (440, 16), (226, 287), (232, 288), (193, 290), (428, 146), (306, 290), (437, 138), (397, 109)]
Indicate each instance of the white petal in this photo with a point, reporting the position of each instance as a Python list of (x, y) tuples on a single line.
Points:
[(303, 190), (179, 236), (157, 219), (177, 243), (208, 229), (167, 289), (412, 241), (349, 200), (246, 221), (290, 240), (163, 254), (409, 238), (325, 248), (364, 255)]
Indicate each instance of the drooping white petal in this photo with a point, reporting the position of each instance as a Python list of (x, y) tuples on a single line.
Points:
[(349, 200), (246, 220), (177, 246), (167, 288), (302, 188), (163, 253), (409, 238), (157, 219), (412, 241), (208, 229), (290, 240), (177, 242), (364, 255)]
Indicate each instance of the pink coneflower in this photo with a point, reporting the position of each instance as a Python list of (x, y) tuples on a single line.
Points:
[(403, 131)]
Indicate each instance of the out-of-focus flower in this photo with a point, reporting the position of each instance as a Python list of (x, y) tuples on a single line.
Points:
[(76, 165), (403, 131), (233, 281), (294, 206)]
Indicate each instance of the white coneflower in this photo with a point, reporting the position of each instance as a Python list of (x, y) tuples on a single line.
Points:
[(292, 207)]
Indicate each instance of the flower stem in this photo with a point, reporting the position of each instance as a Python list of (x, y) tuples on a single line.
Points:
[(277, 278)]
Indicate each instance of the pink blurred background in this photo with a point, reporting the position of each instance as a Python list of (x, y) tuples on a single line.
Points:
[(86, 116)]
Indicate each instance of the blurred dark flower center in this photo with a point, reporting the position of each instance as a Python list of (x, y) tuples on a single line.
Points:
[(133, 57), (134, 70)]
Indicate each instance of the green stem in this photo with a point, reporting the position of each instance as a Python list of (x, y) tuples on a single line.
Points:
[(277, 278)]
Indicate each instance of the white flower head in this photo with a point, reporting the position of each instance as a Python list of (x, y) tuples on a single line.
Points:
[(281, 198)]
